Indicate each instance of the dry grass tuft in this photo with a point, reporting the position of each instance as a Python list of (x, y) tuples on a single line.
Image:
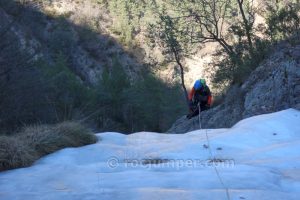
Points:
[(14, 153), (33, 142)]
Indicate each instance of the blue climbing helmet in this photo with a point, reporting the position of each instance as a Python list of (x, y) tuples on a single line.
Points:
[(199, 84)]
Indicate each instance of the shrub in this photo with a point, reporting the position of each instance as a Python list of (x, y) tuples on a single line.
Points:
[(77, 133), (65, 90), (15, 153), (46, 139), (283, 21), (43, 139), (236, 69), (33, 142)]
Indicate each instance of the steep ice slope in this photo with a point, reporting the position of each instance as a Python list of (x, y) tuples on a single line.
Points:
[(258, 158)]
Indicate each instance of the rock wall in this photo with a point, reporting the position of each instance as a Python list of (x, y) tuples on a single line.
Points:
[(273, 86)]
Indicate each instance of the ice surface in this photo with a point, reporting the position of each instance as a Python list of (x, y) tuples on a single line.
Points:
[(258, 158)]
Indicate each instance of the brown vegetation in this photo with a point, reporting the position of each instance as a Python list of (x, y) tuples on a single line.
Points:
[(33, 142)]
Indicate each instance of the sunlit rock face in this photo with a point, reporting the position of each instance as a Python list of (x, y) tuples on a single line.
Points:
[(273, 86)]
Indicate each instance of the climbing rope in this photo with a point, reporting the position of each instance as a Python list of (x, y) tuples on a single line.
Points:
[(199, 109), (211, 155)]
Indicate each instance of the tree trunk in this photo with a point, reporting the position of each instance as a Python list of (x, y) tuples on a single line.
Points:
[(177, 58), (246, 24)]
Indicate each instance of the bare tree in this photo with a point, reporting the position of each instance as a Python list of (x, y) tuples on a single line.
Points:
[(211, 20), (169, 37), (205, 21)]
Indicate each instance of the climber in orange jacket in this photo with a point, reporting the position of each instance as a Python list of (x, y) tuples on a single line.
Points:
[(200, 94)]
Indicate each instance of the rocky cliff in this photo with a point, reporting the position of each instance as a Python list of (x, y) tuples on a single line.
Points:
[(77, 29), (273, 86)]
